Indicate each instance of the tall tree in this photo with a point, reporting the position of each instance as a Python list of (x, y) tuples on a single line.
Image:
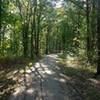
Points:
[(98, 32)]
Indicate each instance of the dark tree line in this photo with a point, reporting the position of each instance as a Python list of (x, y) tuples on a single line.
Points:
[(34, 27)]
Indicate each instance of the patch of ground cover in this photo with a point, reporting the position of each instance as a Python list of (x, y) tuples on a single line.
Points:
[(81, 84), (11, 69)]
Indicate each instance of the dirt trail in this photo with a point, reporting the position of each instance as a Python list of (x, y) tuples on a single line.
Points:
[(43, 81)]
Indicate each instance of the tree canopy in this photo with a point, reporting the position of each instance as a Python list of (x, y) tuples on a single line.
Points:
[(34, 27)]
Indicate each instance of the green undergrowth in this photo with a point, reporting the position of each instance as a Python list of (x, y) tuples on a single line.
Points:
[(81, 78)]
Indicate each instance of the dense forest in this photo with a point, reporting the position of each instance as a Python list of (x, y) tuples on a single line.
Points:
[(33, 28)]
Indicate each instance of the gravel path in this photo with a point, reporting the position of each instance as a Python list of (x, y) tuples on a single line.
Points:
[(43, 81)]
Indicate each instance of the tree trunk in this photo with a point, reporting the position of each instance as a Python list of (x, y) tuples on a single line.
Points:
[(47, 39), (25, 39), (98, 32), (33, 33), (88, 29)]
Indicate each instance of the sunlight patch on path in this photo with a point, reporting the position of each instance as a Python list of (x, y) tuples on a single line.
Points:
[(41, 82)]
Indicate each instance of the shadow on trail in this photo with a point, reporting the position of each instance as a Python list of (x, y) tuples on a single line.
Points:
[(80, 83), (46, 80)]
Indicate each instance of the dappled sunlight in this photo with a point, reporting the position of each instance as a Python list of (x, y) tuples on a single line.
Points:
[(65, 77), (70, 57), (63, 80), (41, 77), (12, 77), (37, 65), (19, 90), (28, 71), (21, 71), (94, 81), (50, 50), (15, 72), (48, 78), (49, 72), (54, 56), (30, 91), (72, 61), (79, 79)]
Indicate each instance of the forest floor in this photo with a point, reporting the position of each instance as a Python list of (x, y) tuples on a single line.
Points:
[(51, 78)]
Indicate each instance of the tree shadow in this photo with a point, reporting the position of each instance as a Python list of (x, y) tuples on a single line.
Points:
[(46, 80), (34, 80), (82, 85), (10, 71), (6, 87)]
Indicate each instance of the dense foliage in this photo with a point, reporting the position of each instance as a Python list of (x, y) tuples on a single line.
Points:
[(34, 27)]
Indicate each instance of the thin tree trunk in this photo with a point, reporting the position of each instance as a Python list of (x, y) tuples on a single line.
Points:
[(88, 29), (47, 40), (33, 33), (98, 32)]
